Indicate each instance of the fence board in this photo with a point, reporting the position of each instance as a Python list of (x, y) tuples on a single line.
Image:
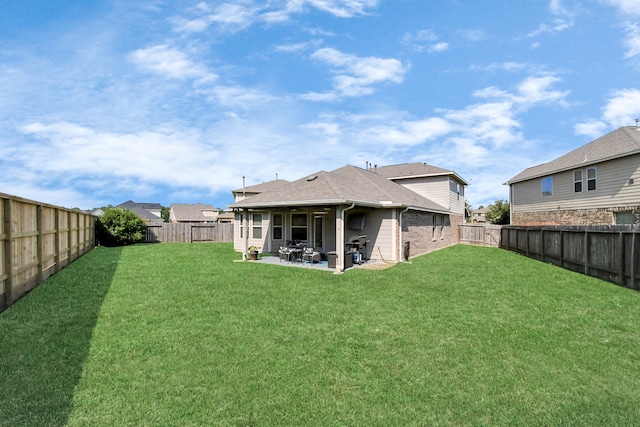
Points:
[(607, 252), (35, 243), (189, 233)]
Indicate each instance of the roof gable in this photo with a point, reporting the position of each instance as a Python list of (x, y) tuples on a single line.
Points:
[(619, 143), (415, 170)]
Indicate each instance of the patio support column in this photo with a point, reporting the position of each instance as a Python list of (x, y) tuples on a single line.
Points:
[(339, 239), (245, 233), (340, 243)]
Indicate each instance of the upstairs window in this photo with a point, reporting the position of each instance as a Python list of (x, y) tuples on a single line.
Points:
[(547, 186), (577, 181), (591, 179)]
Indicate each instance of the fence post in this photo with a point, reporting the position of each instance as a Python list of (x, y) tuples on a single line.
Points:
[(57, 239), (586, 252), (561, 249), (8, 256), (40, 243), (621, 258), (634, 255)]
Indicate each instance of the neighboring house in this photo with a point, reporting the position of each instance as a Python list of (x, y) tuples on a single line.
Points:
[(597, 183), (243, 193), (479, 215), (391, 206), (226, 217), (149, 212), (193, 213)]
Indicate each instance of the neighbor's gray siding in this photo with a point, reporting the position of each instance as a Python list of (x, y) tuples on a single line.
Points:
[(613, 189)]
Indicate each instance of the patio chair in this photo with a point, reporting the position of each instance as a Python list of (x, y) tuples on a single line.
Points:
[(284, 253), (310, 255)]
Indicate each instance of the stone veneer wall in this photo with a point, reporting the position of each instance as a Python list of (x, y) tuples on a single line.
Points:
[(418, 229), (605, 216)]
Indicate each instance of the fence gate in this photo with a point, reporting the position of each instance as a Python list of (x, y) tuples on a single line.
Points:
[(479, 234)]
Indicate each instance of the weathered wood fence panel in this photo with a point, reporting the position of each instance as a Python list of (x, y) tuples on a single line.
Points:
[(609, 253), (189, 233), (36, 241), (479, 234)]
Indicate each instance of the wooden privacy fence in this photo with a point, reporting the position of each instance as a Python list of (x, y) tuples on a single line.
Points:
[(189, 233), (36, 241), (607, 252), (479, 234)]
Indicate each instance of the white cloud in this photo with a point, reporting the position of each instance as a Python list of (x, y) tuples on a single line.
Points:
[(622, 108), (356, 76), (233, 17), (593, 129), (107, 160), (627, 7), (343, 8), (407, 133), (632, 42), (229, 17), (170, 62), (530, 91), (419, 40), (563, 21), (439, 47)]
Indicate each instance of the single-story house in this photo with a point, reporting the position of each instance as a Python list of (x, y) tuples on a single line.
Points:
[(195, 213), (594, 184), (149, 212), (392, 206)]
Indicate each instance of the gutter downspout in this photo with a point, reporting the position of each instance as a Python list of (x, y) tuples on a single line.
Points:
[(510, 204), (245, 234), (340, 241), (399, 251)]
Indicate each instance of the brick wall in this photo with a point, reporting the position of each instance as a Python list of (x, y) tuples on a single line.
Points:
[(605, 216), (418, 229)]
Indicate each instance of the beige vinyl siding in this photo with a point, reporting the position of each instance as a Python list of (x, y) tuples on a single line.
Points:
[(613, 189), (379, 228), (433, 188), (456, 203), (238, 242)]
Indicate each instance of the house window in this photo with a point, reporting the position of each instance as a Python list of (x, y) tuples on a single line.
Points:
[(299, 232), (577, 181), (547, 186), (591, 179), (624, 217), (276, 227), (256, 226)]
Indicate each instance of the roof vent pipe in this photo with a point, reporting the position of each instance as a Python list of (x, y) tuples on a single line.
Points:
[(637, 124)]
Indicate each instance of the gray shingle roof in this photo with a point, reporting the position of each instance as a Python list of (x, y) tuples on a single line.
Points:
[(348, 184), (621, 142), (415, 170), (193, 212), (262, 187)]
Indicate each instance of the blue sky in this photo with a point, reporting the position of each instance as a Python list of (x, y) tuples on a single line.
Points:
[(174, 101)]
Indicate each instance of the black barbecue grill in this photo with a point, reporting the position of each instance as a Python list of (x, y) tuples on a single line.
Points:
[(359, 246)]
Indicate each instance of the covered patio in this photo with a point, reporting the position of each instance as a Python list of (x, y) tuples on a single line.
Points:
[(371, 264)]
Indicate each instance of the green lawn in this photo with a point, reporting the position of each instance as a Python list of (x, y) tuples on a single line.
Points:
[(180, 335)]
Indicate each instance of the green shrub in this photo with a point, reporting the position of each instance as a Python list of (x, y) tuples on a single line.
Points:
[(117, 227)]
